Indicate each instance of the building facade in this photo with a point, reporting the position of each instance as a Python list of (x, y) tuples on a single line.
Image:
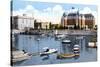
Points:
[(22, 22), (89, 21), (38, 24), (75, 20)]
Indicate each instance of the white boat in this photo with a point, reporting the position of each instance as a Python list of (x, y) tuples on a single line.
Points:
[(60, 36), (66, 41), (48, 51), (20, 56), (56, 32), (76, 51), (92, 44), (76, 48)]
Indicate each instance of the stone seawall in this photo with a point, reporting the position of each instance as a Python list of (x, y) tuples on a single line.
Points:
[(76, 32), (68, 32)]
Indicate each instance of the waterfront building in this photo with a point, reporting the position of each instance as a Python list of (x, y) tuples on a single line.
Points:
[(71, 20), (22, 22), (75, 20), (64, 20), (89, 21), (38, 24)]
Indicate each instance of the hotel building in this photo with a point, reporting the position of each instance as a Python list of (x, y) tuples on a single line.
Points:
[(74, 20)]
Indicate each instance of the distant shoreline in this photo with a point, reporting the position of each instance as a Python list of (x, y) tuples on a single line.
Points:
[(68, 32)]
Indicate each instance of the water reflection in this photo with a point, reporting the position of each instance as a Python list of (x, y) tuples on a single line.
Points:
[(46, 57)]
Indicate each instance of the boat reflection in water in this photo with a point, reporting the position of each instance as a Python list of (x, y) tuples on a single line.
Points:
[(35, 44)]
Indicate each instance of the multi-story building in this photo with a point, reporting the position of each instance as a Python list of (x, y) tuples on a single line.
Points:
[(22, 22), (75, 20), (89, 21), (38, 24)]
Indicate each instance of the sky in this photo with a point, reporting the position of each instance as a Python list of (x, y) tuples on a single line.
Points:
[(51, 12)]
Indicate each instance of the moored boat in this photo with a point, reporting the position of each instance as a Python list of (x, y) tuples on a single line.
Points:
[(92, 44), (48, 51), (60, 36), (66, 41), (20, 56), (64, 56), (76, 47)]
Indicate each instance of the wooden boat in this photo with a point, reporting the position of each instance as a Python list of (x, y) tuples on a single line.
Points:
[(64, 56), (20, 56)]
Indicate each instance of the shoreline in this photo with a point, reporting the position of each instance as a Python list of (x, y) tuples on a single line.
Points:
[(66, 32)]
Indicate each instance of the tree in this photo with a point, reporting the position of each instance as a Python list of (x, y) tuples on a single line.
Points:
[(75, 27), (50, 25), (46, 27)]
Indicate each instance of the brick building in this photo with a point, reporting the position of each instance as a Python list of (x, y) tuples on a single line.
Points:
[(75, 20)]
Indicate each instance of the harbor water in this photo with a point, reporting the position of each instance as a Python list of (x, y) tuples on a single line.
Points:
[(36, 43)]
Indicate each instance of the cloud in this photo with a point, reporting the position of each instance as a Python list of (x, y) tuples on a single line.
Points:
[(49, 14), (28, 10), (57, 12), (29, 7), (86, 10), (47, 9)]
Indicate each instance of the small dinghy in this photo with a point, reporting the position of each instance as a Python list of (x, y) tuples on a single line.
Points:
[(60, 36), (76, 49), (20, 56), (66, 41), (92, 45), (48, 51), (65, 56)]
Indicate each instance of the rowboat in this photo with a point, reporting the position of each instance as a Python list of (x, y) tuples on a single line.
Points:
[(20, 56), (48, 51), (64, 56)]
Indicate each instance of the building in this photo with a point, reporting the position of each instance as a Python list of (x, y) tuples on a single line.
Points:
[(89, 21), (38, 24), (64, 20), (74, 20), (71, 20), (22, 22)]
